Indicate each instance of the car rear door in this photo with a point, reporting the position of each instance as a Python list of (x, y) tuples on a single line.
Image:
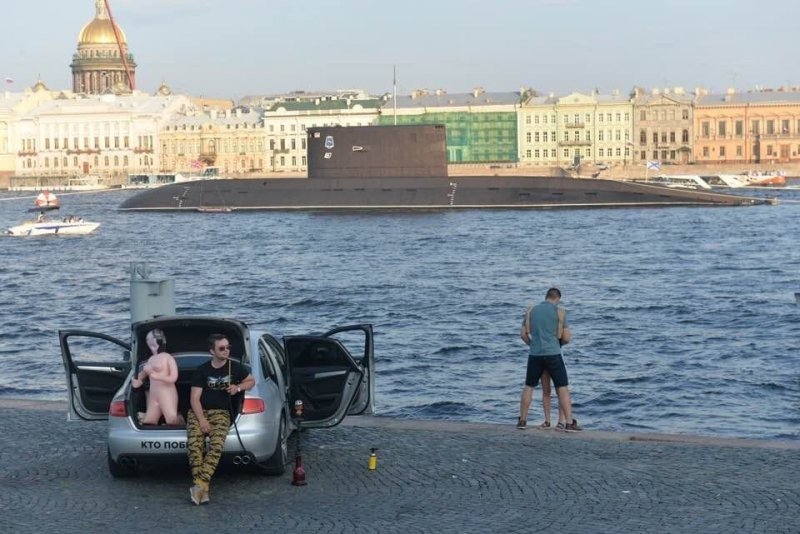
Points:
[(325, 376), (96, 366), (358, 340)]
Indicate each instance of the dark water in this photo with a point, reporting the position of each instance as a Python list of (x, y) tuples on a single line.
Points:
[(684, 319)]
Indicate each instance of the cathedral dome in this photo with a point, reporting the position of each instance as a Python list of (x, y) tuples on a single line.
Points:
[(100, 31)]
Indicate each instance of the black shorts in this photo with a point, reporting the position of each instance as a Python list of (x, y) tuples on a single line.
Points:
[(552, 364)]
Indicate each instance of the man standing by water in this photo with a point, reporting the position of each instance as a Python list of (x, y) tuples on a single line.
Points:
[(548, 330)]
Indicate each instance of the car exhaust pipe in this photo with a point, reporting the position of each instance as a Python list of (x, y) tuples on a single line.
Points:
[(237, 460), (245, 459), (128, 462)]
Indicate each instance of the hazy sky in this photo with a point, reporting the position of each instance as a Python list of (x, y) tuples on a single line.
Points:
[(232, 48)]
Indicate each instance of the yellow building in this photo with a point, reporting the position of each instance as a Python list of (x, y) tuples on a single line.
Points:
[(754, 127), (557, 131), (232, 141), (663, 126)]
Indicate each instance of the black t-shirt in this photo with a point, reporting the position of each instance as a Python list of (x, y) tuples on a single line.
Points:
[(215, 381)]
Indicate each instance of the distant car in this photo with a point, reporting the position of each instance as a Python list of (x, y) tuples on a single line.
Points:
[(602, 166), (318, 370)]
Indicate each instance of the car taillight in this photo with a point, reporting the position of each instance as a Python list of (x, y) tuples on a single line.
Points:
[(253, 405), (118, 409)]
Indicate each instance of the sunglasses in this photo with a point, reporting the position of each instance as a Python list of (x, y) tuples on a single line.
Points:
[(226, 347)]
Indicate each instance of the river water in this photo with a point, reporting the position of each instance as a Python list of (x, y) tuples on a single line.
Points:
[(684, 320)]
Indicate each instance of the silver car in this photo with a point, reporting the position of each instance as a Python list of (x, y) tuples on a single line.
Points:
[(318, 370)]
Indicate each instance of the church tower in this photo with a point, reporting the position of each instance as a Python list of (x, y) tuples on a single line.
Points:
[(97, 66)]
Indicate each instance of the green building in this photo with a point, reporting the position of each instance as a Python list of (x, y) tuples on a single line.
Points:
[(481, 127)]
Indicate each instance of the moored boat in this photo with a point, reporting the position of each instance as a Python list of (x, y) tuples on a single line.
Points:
[(47, 201), (766, 178)]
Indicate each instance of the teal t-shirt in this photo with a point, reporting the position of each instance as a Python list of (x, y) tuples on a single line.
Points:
[(544, 330)]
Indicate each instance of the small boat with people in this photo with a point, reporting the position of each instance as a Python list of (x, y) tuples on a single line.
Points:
[(44, 225)]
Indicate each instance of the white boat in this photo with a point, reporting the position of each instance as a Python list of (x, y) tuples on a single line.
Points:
[(730, 181), (33, 228), (47, 201), (680, 181)]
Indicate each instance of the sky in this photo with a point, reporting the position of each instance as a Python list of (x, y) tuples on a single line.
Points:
[(234, 48)]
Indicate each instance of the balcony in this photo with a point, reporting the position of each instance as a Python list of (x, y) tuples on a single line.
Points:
[(139, 150), (208, 155), (575, 125), (79, 151), (575, 143), (24, 153)]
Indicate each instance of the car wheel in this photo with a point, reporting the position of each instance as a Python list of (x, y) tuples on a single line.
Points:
[(118, 470), (276, 464)]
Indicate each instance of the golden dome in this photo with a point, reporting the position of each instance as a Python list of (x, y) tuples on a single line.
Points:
[(100, 30)]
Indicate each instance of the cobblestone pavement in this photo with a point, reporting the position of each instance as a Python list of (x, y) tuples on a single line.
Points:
[(432, 477)]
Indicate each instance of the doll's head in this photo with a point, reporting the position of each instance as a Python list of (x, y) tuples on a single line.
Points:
[(156, 340)]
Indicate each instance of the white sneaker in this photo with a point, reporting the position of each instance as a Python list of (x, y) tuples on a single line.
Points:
[(196, 494)]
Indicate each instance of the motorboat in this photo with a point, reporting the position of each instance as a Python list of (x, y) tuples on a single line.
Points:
[(766, 178), (678, 181), (730, 181), (57, 227), (43, 225)]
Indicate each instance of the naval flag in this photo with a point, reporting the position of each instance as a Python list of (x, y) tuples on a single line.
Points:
[(653, 165)]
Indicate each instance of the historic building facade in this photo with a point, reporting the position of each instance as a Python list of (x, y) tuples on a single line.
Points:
[(98, 66), (105, 135), (481, 127), (231, 140), (756, 127), (558, 131), (663, 126)]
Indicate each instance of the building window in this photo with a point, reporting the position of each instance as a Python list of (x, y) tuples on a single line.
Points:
[(770, 127), (672, 137), (685, 136), (55, 143), (785, 126), (528, 153), (587, 118), (721, 128), (527, 119), (116, 161), (664, 137), (705, 129), (106, 161), (600, 117), (739, 150), (642, 155), (619, 118), (627, 116), (600, 152), (655, 138), (672, 116), (755, 127), (722, 151), (566, 136), (535, 152), (643, 115), (655, 154), (769, 147), (528, 137), (552, 152), (685, 114), (705, 151), (588, 135), (75, 161), (577, 135), (544, 137), (619, 152), (642, 137), (588, 152), (672, 154)]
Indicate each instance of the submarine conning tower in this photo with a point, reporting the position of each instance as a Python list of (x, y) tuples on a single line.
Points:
[(414, 151)]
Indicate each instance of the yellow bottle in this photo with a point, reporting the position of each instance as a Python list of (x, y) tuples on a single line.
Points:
[(373, 459)]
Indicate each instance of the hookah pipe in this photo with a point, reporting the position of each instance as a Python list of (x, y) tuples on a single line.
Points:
[(299, 474)]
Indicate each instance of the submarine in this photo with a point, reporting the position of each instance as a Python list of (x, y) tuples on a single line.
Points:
[(405, 168)]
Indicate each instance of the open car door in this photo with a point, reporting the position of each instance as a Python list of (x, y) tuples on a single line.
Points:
[(358, 340), (97, 366), (325, 376)]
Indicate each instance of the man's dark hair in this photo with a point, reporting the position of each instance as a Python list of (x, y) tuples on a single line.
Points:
[(213, 338), (553, 293)]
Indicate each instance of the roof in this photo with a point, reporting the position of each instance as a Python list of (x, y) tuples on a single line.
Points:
[(754, 97), (325, 104), (453, 100)]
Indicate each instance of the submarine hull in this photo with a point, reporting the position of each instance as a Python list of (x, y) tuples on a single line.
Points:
[(417, 193)]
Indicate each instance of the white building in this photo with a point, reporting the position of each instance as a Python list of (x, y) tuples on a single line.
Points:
[(106, 135)]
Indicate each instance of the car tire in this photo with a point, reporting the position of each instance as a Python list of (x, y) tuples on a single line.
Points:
[(276, 464), (118, 470)]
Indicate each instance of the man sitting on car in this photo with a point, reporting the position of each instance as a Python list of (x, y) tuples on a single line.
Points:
[(213, 384)]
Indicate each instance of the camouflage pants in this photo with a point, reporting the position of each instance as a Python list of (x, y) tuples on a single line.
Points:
[(204, 462)]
